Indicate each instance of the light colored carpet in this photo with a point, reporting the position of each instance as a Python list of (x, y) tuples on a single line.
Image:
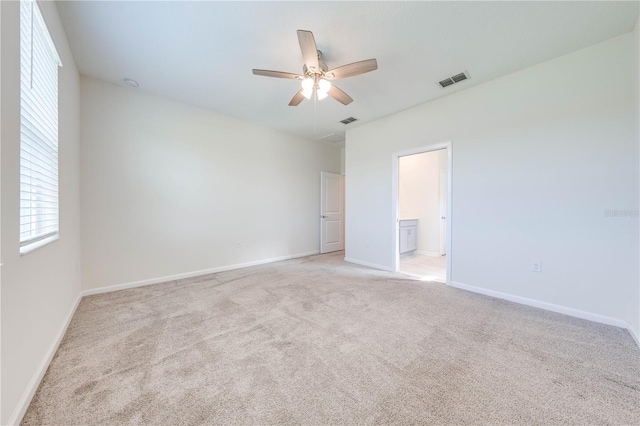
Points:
[(317, 341), (428, 268)]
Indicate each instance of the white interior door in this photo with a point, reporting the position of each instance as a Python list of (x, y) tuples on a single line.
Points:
[(331, 212), (443, 212)]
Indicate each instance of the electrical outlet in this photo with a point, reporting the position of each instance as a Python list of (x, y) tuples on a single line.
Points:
[(536, 266)]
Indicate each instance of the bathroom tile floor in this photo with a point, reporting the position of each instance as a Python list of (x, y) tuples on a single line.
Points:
[(427, 268)]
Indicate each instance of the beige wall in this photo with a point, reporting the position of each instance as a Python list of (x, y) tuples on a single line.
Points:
[(40, 289), (170, 189)]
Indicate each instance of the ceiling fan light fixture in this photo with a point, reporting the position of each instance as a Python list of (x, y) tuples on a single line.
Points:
[(307, 93), (324, 85), (321, 95), (307, 84)]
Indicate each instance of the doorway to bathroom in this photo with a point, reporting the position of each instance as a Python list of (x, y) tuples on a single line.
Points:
[(422, 203)]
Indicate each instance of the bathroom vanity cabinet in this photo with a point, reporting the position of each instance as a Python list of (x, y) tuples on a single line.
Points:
[(408, 235)]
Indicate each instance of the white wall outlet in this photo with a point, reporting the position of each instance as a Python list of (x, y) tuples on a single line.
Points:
[(536, 266)]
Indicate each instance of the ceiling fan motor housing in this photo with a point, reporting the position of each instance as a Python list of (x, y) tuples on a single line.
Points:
[(320, 73)]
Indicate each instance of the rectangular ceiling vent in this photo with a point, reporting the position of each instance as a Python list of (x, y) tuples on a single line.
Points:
[(348, 120), (333, 138), (455, 79)]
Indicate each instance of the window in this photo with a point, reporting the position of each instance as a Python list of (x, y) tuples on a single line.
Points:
[(39, 64)]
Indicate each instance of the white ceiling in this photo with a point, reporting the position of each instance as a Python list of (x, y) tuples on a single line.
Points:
[(202, 53)]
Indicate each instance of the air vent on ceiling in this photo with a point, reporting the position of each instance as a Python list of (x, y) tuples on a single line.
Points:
[(447, 82), (455, 79), (333, 138), (348, 120)]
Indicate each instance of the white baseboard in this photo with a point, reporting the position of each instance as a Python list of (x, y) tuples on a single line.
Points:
[(34, 383), (428, 253), (633, 334), (544, 305), (157, 280), (369, 264)]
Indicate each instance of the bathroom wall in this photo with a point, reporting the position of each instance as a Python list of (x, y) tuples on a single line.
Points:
[(419, 196)]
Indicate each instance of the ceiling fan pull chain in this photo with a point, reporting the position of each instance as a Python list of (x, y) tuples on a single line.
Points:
[(315, 113)]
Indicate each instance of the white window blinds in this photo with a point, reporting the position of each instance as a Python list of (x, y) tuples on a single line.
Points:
[(39, 63)]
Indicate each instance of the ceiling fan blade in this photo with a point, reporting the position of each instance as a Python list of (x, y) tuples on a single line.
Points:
[(297, 98), (353, 69), (309, 49), (278, 74), (339, 95)]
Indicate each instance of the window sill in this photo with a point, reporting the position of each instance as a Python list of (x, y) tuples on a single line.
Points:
[(41, 243)]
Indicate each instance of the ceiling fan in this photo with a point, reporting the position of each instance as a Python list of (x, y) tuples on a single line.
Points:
[(316, 76)]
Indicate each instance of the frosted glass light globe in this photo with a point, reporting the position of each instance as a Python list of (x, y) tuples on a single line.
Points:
[(307, 83), (324, 85)]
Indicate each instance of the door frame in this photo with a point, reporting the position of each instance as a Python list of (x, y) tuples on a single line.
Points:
[(395, 179), (443, 206)]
